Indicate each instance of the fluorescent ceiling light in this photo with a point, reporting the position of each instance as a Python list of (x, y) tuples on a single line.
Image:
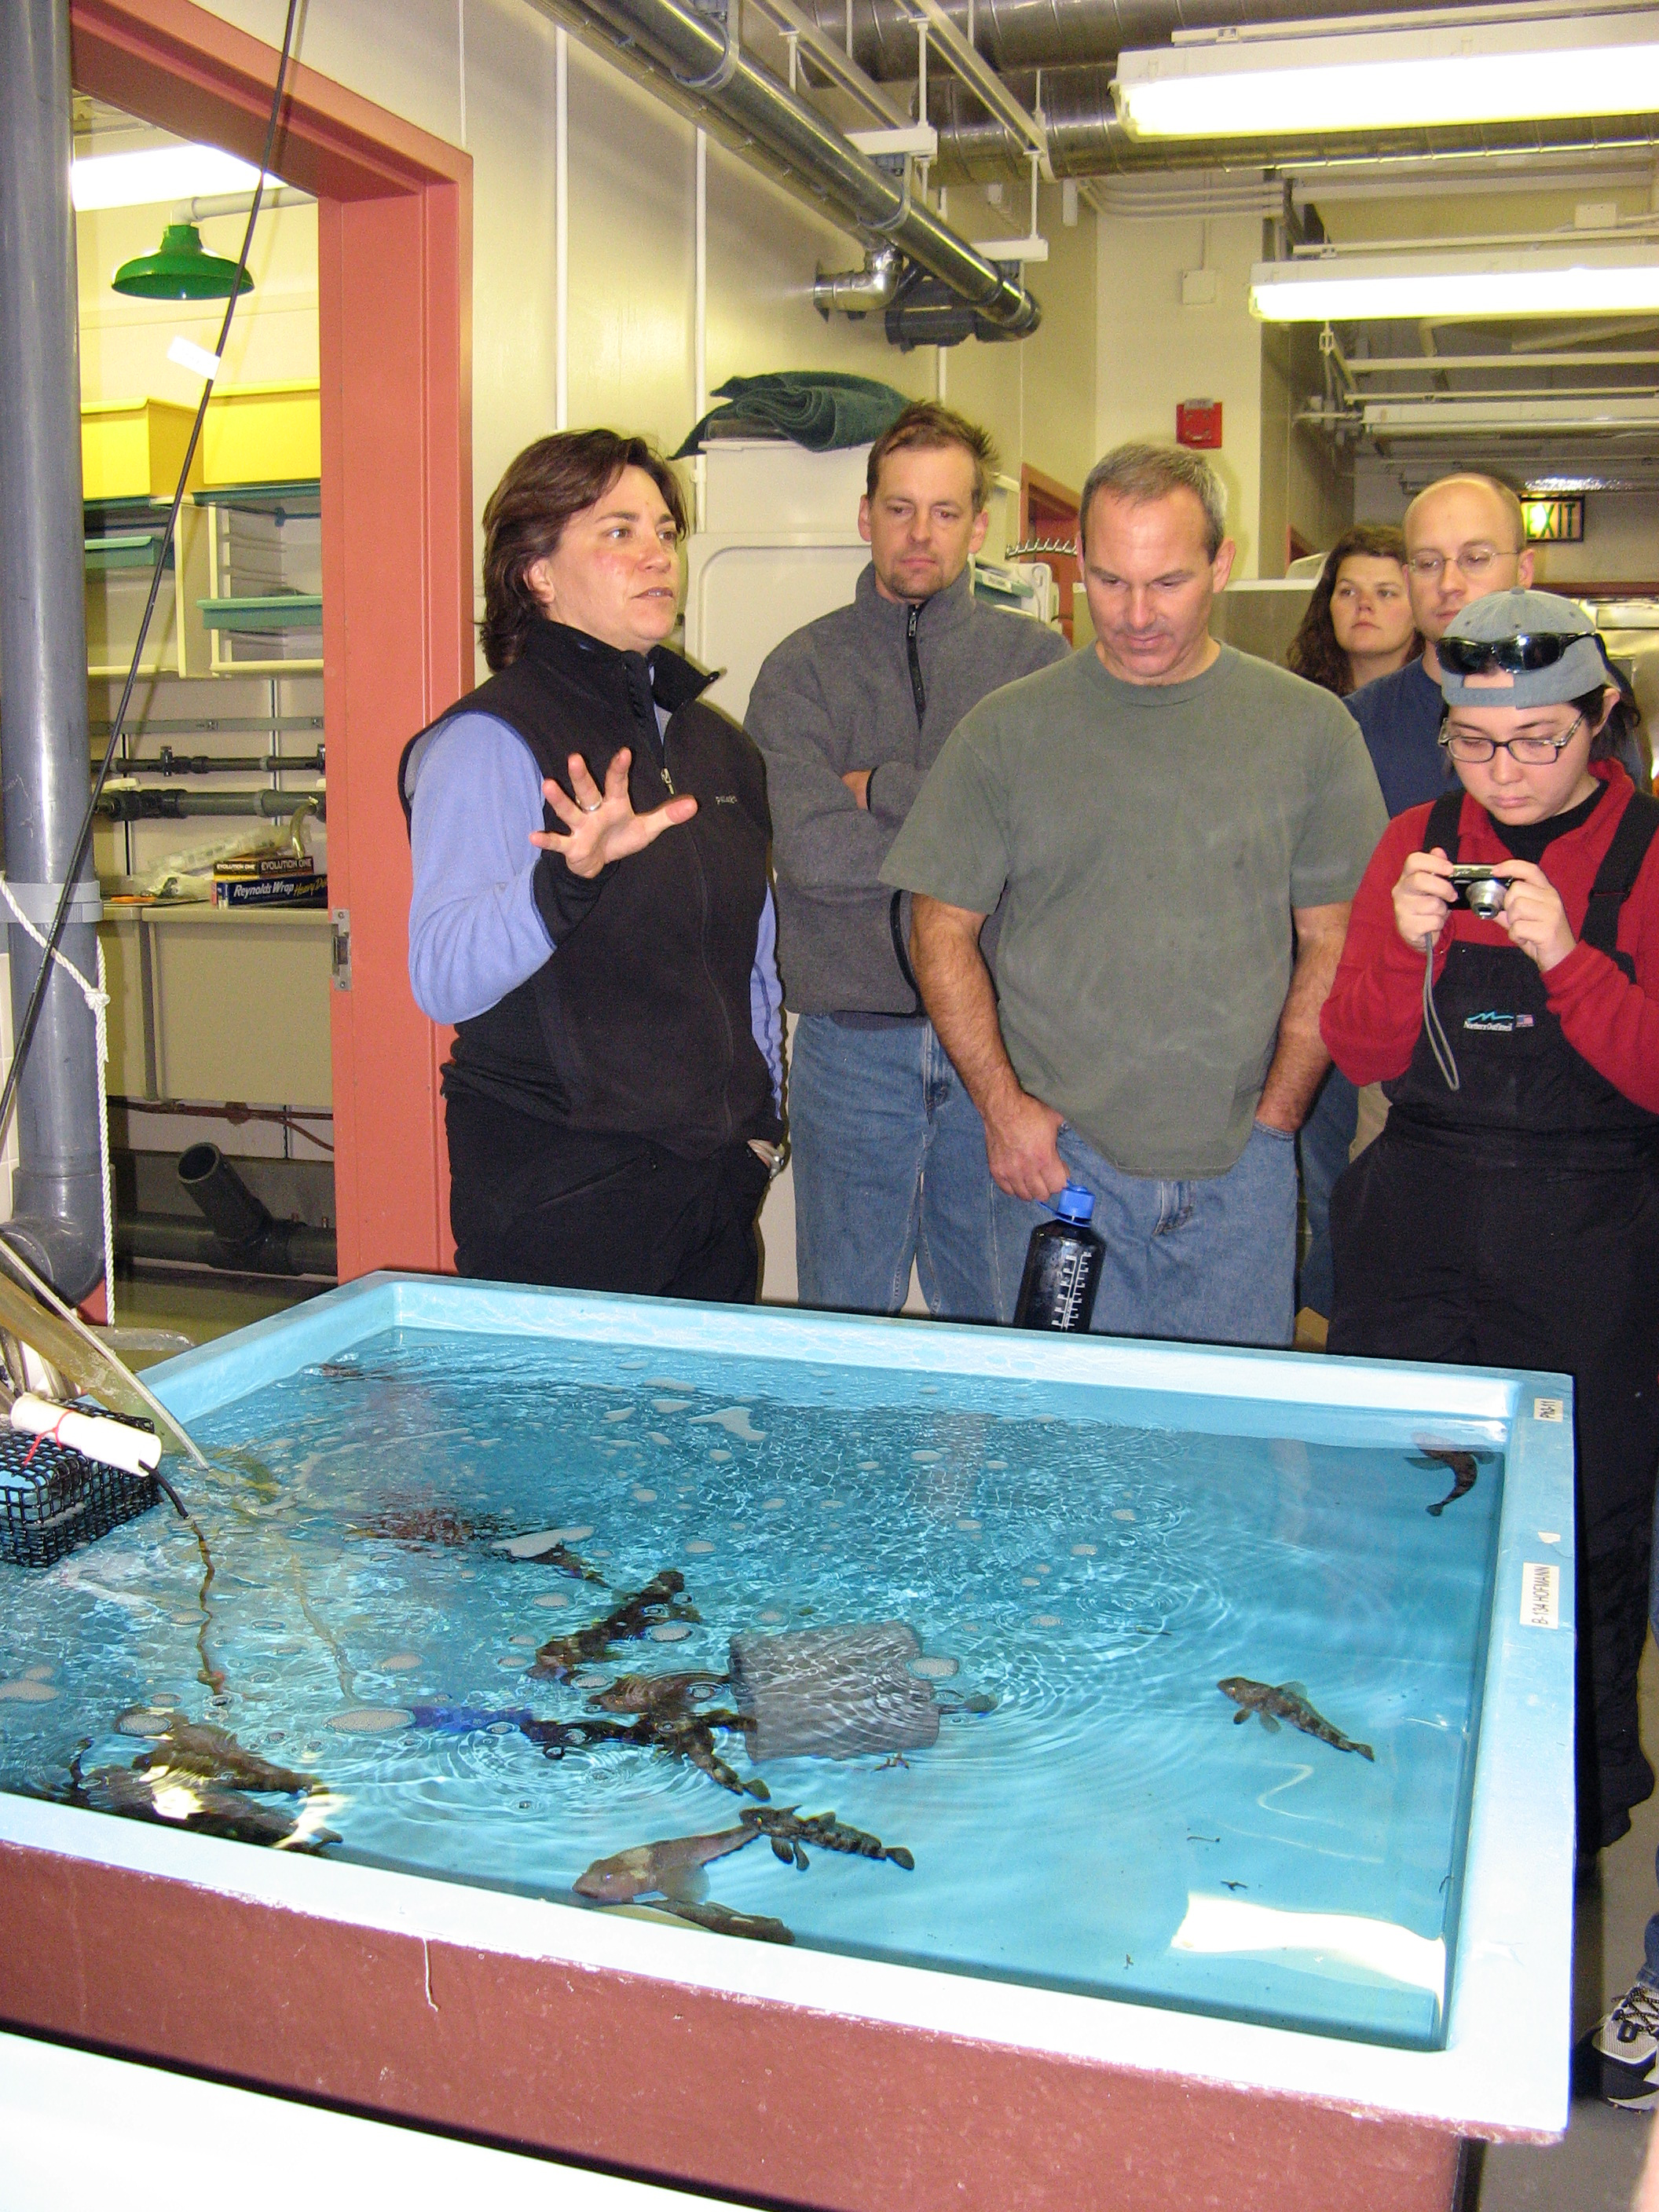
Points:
[(160, 174), (1467, 287), (1244, 84), (1453, 418)]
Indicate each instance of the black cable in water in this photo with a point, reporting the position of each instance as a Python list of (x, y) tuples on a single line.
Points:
[(26, 1027)]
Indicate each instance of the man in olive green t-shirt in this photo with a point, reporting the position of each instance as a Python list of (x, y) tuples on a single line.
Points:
[(1180, 828)]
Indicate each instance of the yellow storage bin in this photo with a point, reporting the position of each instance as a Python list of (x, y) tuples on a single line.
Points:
[(133, 448), (262, 433)]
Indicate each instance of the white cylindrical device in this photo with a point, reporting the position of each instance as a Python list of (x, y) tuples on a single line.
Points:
[(135, 1452)]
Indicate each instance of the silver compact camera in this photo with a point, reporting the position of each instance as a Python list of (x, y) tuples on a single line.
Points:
[(1481, 889)]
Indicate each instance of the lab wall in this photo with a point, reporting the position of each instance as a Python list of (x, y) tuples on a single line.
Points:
[(1153, 351), (480, 73), (1162, 341)]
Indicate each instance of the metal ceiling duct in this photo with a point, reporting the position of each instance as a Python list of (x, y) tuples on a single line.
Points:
[(1045, 34), (697, 50), (1086, 138)]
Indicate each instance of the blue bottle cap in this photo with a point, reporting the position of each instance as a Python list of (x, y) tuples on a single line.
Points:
[(1074, 1203)]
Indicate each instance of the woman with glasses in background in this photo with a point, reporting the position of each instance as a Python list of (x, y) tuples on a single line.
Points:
[(1509, 1213), (1358, 624)]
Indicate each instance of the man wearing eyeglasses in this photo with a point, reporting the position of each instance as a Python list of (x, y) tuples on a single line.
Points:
[(1465, 537)]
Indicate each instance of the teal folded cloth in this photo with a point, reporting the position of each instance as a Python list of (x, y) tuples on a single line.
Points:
[(819, 409)]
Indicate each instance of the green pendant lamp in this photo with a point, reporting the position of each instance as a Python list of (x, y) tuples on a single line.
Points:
[(182, 268)]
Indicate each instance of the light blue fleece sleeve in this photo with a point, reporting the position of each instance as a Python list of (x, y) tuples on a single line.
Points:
[(766, 997), (475, 932)]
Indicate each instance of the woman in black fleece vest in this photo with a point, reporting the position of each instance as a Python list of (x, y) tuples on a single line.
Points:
[(592, 907)]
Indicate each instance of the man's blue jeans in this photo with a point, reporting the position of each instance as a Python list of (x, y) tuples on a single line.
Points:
[(1211, 1261), (889, 1155), (1322, 1148)]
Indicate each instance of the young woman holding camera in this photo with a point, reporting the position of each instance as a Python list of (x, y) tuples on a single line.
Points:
[(1509, 1214)]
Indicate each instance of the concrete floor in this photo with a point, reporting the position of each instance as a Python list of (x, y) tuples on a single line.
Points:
[(1594, 2167), (198, 1304)]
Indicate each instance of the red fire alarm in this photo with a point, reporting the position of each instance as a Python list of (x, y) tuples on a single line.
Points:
[(1198, 424)]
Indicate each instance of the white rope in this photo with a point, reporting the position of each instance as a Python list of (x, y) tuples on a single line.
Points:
[(97, 998)]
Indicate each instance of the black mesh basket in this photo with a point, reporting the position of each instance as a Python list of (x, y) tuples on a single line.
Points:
[(61, 1499)]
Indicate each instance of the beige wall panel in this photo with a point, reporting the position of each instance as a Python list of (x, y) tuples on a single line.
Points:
[(1057, 367), (1467, 210), (1621, 544), (510, 94), (764, 248), (631, 255), (240, 1010), (403, 54), (1153, 351)]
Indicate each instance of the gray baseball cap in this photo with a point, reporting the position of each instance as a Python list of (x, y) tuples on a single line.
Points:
[(1539, 650)]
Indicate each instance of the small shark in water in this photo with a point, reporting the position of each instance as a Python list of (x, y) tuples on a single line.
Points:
[(633, 1616), (1463, 1466), (187, 1800), (662, 1870), (1288, 1702), (667, 1720), (185, 1747), (788, 1831)]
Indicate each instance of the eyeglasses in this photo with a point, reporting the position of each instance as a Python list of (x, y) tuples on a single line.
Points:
[(1472, 562), (1527, 649), (1530, 752)]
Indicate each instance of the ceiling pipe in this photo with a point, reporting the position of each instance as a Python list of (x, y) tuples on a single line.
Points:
[(1045, 34), (58, 1196), (856, 291), (1086, 138), (699, 54)]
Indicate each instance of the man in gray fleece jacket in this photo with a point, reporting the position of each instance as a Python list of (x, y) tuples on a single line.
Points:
[(851, 713)]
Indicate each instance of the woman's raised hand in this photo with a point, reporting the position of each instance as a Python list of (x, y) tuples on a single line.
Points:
[(1534, 915), (601, 826), (1423, 897)]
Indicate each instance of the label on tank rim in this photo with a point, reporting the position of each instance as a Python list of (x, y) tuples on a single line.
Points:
[(1540, 1595)]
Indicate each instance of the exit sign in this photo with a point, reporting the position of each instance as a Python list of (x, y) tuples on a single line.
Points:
[(1554, 521)]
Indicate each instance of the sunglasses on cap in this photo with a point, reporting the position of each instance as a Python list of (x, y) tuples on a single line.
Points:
[(1528, 649)]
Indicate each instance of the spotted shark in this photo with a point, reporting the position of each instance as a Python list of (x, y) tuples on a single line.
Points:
[(1288, 1702)]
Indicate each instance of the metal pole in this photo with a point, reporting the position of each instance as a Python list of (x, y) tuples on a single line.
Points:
[(57, 1194), (560, 228)]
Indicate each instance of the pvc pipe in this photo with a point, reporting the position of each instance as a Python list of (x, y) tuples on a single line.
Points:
[(560, 228), (699, 319), (151, 803), (296, 1248), (56, 1221), (112, 1443)]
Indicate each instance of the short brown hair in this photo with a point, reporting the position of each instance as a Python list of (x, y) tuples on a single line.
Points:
[(925, 425), (529, 508), (1143, 473)]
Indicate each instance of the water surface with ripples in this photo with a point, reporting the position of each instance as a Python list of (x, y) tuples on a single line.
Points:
[(1080, 1566)]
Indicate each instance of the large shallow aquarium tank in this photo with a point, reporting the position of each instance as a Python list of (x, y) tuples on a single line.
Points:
[(1135, 1674)]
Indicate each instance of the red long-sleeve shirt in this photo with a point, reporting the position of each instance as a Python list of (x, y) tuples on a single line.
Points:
[(1375, 1011)]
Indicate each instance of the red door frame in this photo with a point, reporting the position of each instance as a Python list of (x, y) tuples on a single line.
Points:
[(394, 254)]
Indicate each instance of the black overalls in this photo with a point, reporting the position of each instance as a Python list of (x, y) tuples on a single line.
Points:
[(1515, 1223)]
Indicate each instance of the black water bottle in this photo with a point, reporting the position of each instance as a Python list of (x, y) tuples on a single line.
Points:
[(1062, 1266)]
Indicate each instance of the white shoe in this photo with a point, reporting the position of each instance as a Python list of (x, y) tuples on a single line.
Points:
[(1627, 2043)]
